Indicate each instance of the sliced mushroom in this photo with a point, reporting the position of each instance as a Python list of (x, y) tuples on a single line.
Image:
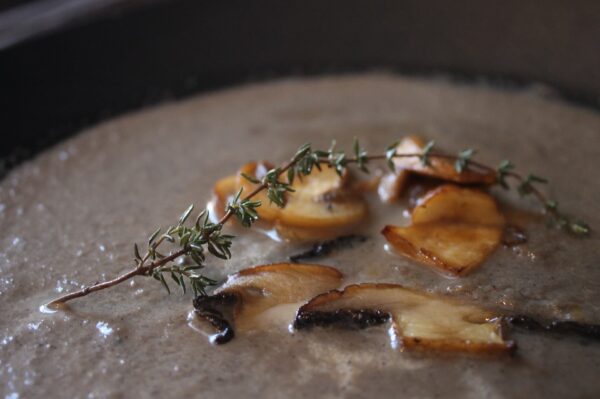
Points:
[(257, 298), (228, 186), (451, 203), (393, 185), (321, 200), (453, 248), (320, 182), (321, 207), (439, 168), (418, 320), (453, 229)]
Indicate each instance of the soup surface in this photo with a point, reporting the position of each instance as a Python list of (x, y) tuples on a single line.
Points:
[(70, 217)]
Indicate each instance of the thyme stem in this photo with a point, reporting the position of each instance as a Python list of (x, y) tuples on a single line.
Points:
[(110, 283), (576, 227), (142, 269), (192, 241)]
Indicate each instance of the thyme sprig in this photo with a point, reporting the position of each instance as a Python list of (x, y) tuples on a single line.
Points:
[(527, 185), (201, 238), (204, 237)]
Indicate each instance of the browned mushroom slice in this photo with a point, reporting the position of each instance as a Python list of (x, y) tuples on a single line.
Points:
[(451, 247), (259, 297), (453, 229), (312, 234), (438, 168), (418, 320), (320, 182), (321, 201), (228, 186), (450, 203), (393, 185), (321, 207)]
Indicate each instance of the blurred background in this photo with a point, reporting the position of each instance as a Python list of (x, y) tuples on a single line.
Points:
[(65, 64)]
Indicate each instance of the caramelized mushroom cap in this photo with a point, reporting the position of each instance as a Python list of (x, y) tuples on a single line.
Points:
[(453, 229), (454, 204), (439, 168), (419, 320), (322, 200), (228, 186), (321, 207), (393, 185), (455, 248), (259, 297)]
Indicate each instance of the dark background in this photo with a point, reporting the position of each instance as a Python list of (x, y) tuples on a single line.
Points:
[(55, 83)]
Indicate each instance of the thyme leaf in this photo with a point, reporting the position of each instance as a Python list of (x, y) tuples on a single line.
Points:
[(462, 161), (426, 154)]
